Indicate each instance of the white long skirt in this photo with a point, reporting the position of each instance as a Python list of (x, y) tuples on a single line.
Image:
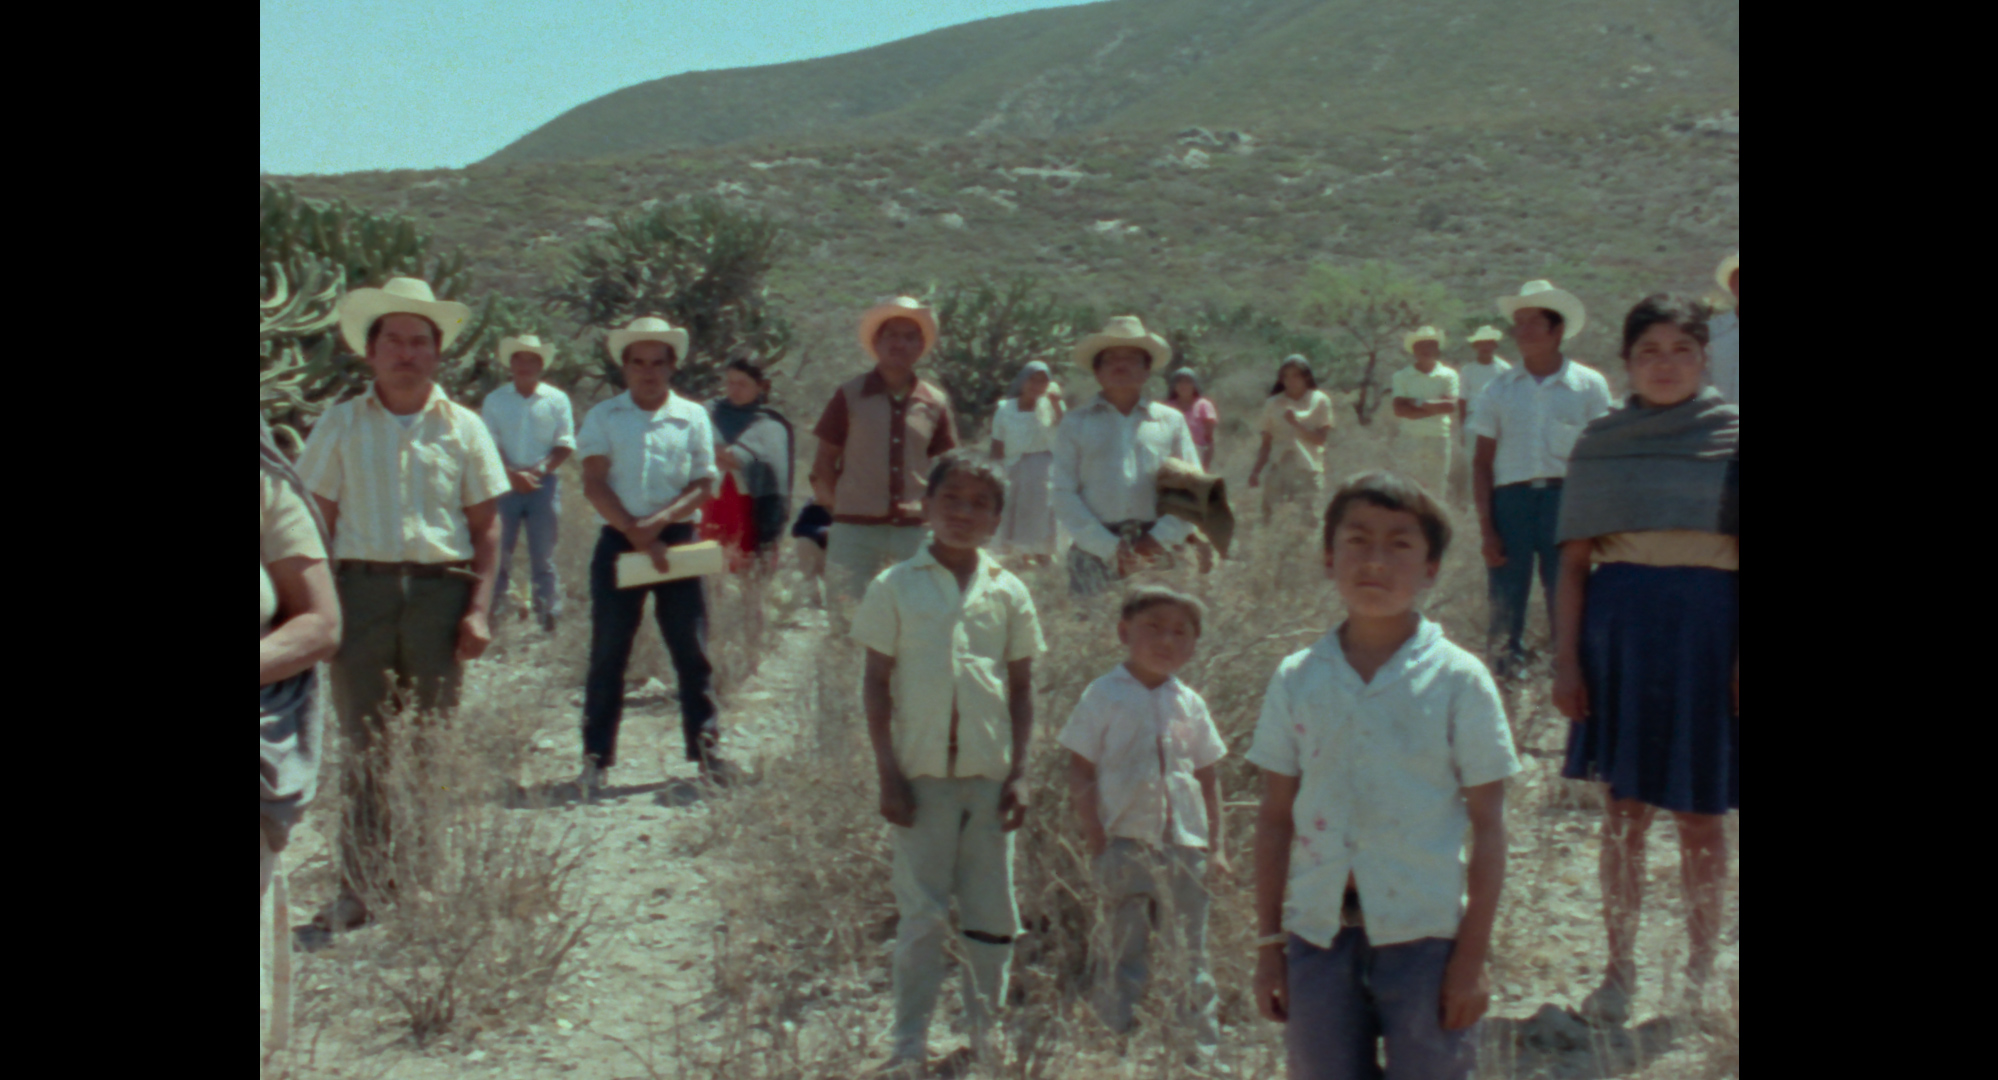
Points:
[(1028, 525)]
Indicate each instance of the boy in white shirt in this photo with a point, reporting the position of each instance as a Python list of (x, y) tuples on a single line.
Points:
[(1142, 773), (1381, 746), (951, 636)]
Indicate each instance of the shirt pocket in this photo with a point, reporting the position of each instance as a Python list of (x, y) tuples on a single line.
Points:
[(441, 470), (1561, 437)]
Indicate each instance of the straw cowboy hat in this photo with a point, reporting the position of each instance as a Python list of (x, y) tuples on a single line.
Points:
[(1726, 271), (647, 328), (1543, 294), (1486, 332), (1191, 495), (399, 296), (526, 343), (1124, 330), (902, 307), (1427, 333)]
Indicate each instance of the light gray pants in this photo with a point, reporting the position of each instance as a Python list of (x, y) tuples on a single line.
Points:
[(955, 849), (1141, 884)]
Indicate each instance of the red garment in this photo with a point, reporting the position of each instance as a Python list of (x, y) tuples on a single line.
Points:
[(731, 519)]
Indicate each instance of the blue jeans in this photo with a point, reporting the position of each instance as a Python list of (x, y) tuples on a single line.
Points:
[(1345, 999), (1526, 519), (681, 609), (541, 512), (1140, 884)]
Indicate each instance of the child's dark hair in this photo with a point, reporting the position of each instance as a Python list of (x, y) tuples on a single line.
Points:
[(1301, 364), (748, 367), (1142, 600), (1392, 491), (1686, 314), (974, 465)]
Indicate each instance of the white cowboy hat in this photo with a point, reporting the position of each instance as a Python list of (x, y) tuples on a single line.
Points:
[(1124, 330), (526, 343), (399, 296), (1426, 333), (1486, 332), (1543, 294), (901, 307), (647, 328), (1726, 270)]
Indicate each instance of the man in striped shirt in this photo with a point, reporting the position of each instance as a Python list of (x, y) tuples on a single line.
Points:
[(408, 481)]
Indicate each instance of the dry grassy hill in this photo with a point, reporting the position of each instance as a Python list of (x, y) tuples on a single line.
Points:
[(1302, 67)]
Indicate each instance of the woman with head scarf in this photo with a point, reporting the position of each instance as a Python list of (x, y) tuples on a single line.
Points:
[(1296, 424), (1023, 438), (298, 625), (1201, 416), (753, 447)]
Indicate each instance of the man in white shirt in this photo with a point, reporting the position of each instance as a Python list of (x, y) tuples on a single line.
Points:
[(1473, 377), (648, 466), (536, 432), (1107, 456), (1527, 421), (1425, 398), (1726, 334)]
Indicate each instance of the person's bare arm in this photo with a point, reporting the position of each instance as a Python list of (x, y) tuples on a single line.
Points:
[(697, 495), (1274, 832), (1088, 807), (1317, 437), (1411, 409), (1481, 491), (825, 472), (898, 798), (1467, 987), (474, 630), (1217, 836), (1262, 459), (555, 459), (307, 627), (1571, 694), (1020, 707), (329, 512)]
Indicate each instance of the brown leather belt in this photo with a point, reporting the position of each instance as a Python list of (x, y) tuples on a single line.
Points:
[(407, 569)]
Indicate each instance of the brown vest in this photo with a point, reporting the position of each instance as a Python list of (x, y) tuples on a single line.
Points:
[(885, 462)]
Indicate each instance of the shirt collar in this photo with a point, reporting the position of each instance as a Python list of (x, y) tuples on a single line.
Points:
[(1566, 374), (1411, 655), (1123, 674), (436, 397), (672, 407), (874, 384), (987, 566), (1098, 402)]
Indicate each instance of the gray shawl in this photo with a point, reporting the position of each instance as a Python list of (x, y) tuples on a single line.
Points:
[(291, 724), (1642, 469)]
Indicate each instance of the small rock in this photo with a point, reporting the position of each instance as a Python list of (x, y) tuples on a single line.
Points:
[(952, 221), (476, 1056)]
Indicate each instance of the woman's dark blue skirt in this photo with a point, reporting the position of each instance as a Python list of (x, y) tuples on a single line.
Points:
[(1658, 652)]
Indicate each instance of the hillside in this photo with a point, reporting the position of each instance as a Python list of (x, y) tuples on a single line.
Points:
[(1303, 68)]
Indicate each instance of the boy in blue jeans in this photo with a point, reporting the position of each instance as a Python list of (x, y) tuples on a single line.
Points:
[(949, 689), (1143, 757), (1380, 746)]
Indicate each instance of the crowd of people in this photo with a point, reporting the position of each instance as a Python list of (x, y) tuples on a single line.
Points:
[(1381, 748)]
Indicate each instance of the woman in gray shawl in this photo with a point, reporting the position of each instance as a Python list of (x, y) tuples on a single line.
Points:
[(1646, 630), (298, 625), (754, 447)]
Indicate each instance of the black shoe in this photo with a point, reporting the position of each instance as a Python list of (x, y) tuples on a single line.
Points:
[(548, 624)]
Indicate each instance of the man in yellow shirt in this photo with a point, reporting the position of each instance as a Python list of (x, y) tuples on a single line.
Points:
[(1425, 399)]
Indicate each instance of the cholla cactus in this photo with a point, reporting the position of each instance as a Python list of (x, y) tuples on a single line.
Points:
[(288, 313)]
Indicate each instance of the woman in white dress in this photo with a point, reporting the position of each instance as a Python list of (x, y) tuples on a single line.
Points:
[(1295, 424), (1023, 438)]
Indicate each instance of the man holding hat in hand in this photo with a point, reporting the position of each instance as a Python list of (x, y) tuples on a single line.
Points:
[(1425, 399), (1527, 421), (648, 466), (536, 432), (408, 482), (1726, 331), (877, 438)]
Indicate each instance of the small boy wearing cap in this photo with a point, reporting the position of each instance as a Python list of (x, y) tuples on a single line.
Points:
[(1425, 399)]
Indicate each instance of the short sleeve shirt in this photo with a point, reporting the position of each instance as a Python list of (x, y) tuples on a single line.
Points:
[(1725, 354), (655, 455), (528, 429), (1028, 431), (1382, 766), (1536, 421), (1314, 411), (1146, 745), (1439, 383), (950, 647), (285, 530)]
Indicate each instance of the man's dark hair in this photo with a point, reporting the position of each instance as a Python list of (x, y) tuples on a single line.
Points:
[(1686, 314), (974, 465), (1096, 361), (375, 329), (1142, 600), (1392, 491), (1301, 364)]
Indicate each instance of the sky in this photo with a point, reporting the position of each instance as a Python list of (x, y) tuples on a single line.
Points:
[(422, 84)]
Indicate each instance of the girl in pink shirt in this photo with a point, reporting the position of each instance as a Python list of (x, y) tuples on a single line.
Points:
[(1201, 416)]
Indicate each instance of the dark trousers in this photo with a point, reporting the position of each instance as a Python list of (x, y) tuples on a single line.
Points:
[(615, 616), (1526, 519), (1347, 1000)]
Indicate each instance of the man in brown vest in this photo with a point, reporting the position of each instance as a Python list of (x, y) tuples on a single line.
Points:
[(877, 438)]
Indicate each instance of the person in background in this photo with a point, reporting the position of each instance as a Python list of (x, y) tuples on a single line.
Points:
[(1296, 424), (1107, 458), (1202, 418), (754, 449), (1383, 749), (877, 438), (408, 483), (648, 468), (1023, 428), (298, 625), (1484, 366), (951, 638), (1647, 631), (814, 522), (1726, 349), (1527, 420), (1144, 777), (535, 430), (1425, 400)]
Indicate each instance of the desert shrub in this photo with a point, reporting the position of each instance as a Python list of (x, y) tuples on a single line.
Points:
[(987, 330), (1368, 308)]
